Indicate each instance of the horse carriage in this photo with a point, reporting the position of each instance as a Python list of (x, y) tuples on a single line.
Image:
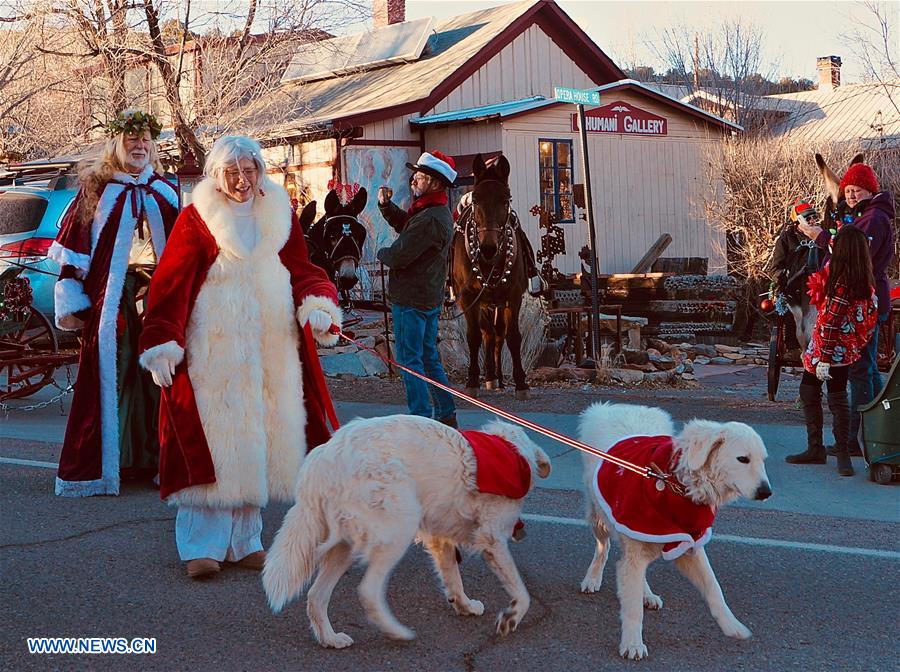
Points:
[(30, 352)]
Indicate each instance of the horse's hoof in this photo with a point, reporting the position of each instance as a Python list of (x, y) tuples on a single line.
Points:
[(472, 391), (523, 394), (491, 384)]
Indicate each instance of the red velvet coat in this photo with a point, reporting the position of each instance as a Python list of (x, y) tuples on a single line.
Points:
[(215, 310)]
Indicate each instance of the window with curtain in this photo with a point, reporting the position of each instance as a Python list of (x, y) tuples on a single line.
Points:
[(555, 158)]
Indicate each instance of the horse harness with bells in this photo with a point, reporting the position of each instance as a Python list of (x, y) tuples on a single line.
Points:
[(504, 258)]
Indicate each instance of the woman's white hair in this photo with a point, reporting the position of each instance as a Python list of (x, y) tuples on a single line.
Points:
[(227, 151)]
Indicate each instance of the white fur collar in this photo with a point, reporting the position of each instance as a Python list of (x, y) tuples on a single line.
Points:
[(272, 213), (142, 178)]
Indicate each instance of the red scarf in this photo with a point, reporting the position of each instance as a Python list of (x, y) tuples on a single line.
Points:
[(500, 469), (639, 510), (429, 200)]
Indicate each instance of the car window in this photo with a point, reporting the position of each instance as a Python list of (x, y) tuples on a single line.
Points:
[(20, 213)]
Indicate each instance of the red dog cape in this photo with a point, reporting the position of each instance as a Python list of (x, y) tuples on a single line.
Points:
[(500, 469), (638, 509)]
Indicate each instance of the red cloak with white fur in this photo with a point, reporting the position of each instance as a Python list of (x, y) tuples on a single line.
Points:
[(244, 406), (93, 258), (638, 509)]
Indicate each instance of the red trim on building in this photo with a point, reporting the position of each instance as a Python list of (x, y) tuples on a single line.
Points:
[(383, 143)]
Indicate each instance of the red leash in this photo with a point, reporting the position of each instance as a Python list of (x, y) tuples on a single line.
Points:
[(647, 472)]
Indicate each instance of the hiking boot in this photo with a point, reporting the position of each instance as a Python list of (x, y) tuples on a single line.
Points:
[(202, 568), (853, 452), (840, 412)]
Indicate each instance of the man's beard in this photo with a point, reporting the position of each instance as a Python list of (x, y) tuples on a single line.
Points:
[(138, 163), (417, 191)]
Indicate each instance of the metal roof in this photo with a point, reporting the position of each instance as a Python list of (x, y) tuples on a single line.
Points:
[(863, 113), (456, 44), (516, 107), (497, 110)]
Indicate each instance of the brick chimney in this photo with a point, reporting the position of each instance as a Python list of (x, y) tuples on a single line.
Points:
[(387, 12), (829, 69)]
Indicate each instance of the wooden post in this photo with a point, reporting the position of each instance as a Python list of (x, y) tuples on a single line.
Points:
[(653, 254)]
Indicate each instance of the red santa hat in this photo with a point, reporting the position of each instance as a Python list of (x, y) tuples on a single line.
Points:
[(860, 175), (437, 164)]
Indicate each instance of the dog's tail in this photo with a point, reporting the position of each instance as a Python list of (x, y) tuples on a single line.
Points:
[(293, 557)]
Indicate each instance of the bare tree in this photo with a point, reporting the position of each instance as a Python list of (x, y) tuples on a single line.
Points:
[(197, 64), (875, 41), (726, 64)]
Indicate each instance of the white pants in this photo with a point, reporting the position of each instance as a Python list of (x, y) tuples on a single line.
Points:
[(220, 534)]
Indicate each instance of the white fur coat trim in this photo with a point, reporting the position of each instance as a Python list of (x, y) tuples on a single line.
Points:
[(169, 352), (311, 303), (241, 350), (271, 212), (69, 298), (66, 257)]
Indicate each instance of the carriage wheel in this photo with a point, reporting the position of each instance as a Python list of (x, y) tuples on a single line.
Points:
[(776, 355), (18, 378)]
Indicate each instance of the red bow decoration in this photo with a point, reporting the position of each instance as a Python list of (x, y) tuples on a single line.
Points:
[(816, 287)]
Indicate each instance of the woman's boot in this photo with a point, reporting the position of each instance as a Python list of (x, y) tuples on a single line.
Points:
[(840, 412), (811, 398)]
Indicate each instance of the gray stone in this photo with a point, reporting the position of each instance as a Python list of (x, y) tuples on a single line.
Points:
[(636, 356), (721, 360), (701, 360), (659, 376), (373, 364), (627, 376), (732, 355), (343, 364), (726, 348), (663, 362), (704, 350), (658, 344), (688, 376)]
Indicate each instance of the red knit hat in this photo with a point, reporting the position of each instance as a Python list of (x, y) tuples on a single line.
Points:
[(860, 175)]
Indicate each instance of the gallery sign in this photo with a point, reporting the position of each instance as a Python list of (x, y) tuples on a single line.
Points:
[(620, 117)]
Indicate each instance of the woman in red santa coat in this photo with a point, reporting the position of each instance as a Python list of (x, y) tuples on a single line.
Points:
[(223, 337), (117, 225)]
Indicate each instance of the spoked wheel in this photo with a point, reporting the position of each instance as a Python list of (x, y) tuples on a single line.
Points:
[(776, 355), (24, 363)]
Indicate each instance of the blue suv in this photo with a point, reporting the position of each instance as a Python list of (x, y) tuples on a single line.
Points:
[(34, 198)]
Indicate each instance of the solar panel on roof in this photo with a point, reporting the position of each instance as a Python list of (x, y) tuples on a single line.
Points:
[(396, 43)]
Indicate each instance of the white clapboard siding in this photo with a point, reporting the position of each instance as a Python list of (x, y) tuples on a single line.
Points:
[(531, 65), (395, 128), (465, 138), (643, 186)]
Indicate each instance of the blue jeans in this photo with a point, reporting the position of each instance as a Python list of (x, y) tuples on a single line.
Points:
[(865, 379), (415, 332)]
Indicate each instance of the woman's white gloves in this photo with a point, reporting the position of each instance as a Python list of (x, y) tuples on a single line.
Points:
[(319, 321), (162, 370), (822, 371)]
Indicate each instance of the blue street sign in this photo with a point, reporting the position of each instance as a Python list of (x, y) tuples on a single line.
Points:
[(576, 96)]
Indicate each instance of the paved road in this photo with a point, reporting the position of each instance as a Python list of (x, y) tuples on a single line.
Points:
[(812, 572)]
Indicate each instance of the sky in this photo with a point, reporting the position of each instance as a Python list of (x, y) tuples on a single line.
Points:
[(795, 32)]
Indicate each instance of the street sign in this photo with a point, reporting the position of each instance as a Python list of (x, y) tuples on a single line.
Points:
[(576, 96)]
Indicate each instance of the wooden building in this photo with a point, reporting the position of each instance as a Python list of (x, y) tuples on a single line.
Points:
[(483, 83)]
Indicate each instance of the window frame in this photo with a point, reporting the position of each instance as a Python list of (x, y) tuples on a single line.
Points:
[(555, 168)]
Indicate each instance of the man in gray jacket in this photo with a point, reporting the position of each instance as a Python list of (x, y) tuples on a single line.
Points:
[(418, 273)]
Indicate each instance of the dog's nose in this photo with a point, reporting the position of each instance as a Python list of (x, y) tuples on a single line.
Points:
[(763, 492)]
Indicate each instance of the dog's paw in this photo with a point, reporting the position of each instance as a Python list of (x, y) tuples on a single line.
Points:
[(338, 640), (507, 621), (468, 608), (633, 650), (653, 602), (737, 630), (591, 585), (401, 634)]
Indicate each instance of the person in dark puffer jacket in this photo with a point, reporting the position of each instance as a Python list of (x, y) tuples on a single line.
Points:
[(418, 273)]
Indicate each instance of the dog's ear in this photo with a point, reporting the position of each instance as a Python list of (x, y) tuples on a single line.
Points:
[(543, 463), (699, 442)]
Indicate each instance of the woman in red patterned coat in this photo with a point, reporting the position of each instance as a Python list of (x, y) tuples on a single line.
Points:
[(848, 311), (224, 336)]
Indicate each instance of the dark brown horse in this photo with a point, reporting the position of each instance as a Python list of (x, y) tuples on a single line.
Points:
[(489, 278)]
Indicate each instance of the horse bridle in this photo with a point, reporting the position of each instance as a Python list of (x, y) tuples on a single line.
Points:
[(506, 250), (346, 222)]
